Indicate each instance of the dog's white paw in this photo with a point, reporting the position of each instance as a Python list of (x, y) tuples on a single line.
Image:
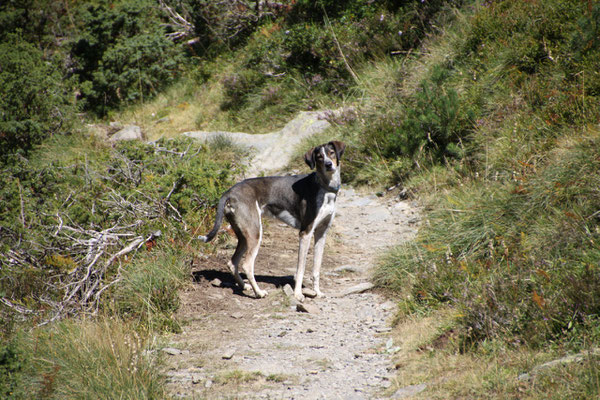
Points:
[(247, 286), (261, 293), (299, 296), (319, 294)]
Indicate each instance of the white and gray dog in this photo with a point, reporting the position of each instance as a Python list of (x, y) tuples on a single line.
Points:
[(305, 202)]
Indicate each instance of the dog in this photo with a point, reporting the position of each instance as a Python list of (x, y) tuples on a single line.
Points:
[(305, 202)]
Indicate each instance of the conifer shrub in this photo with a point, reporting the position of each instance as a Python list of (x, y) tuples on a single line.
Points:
[(122, 54), (35, 103)]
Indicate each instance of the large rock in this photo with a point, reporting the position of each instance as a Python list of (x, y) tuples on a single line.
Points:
[(129, 132), (265, 159)]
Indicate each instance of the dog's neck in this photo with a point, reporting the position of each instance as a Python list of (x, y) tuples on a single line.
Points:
[(330, 183)]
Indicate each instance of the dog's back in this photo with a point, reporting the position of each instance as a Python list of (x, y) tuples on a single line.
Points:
[(294, 199)]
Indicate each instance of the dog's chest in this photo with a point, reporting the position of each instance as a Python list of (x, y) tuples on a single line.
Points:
[(327, 208)]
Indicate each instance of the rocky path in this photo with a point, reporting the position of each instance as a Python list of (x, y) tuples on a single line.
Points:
[(235, 346)]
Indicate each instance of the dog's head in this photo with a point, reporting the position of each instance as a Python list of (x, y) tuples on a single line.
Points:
[(325, 157)]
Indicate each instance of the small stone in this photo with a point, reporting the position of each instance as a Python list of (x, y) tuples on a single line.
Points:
[(307, 308), (389, 344), (383, 330), (309, 293), (216, 282), (524, 377), (237, 315), (196, 379), (287, 289), (346, 268), (171, 351), (361, 287), (129, 132), (228, 354), (409, 391), (208, 383)]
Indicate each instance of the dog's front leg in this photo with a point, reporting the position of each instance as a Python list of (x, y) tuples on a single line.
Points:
[(320, 235), (302, 254)]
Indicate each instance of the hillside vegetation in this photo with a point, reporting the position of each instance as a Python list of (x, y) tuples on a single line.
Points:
[(485, 111)]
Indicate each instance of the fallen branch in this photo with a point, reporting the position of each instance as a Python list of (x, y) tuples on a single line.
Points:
[(16, 307)]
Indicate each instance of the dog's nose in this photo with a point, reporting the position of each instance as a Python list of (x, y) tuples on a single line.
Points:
[(328, 164)]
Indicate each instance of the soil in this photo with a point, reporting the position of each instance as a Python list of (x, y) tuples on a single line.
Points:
[(236, 346)]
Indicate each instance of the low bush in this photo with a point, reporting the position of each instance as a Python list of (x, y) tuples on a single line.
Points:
[(314, 56)]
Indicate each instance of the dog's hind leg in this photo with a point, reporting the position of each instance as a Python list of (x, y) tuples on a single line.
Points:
[(240, 250), (253, 231)]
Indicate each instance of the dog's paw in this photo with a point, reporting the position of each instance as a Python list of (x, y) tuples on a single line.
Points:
[(319, 294), (261, 293), (247, 286), (299, 296)]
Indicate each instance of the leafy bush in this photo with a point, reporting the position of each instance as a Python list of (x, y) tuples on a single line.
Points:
[(34, 104), (122, 54)]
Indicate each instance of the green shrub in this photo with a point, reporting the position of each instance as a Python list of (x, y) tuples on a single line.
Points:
[(13, 363), (34, 104), (122, 54), (435, 123)]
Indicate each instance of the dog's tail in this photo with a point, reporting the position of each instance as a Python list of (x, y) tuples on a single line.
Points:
[(218, 220)]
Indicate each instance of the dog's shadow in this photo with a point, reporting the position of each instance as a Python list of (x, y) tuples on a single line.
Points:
[(228, 282)]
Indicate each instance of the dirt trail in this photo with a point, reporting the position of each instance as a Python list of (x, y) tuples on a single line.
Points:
[(235, 346)]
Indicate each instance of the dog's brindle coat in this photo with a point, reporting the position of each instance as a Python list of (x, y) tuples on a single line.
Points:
[(305, 202)]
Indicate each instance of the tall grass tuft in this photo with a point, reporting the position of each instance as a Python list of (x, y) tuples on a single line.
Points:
[(87, 359), (148, 293)]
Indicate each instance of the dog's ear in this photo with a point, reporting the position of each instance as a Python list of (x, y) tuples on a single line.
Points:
[(309, 158), (339, 148)]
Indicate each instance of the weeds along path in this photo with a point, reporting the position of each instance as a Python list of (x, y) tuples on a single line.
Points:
[(235, 346)]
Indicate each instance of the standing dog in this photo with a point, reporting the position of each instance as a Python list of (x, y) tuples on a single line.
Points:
[(305, 202)]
